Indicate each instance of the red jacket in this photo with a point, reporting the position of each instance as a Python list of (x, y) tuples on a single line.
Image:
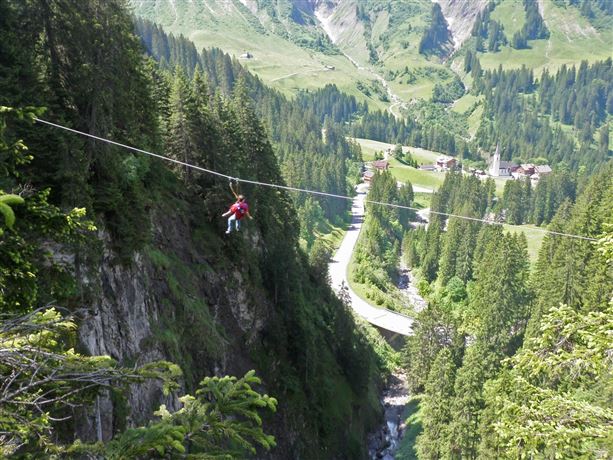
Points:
[(240, 209)]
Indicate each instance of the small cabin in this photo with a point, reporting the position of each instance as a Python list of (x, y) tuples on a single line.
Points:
[(381, 165), (445, 163)]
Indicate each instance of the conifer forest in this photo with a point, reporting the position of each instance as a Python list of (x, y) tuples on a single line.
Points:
[(306, 229)]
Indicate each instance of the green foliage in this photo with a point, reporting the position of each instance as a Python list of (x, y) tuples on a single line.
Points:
[(563, 372), (6, 201), (569, 271), (378, 250), (451, 253), (534, 27), (28, 274), (436, 327), (43, 378), (523, 116), (449, 92), (562, 375), (549, 398), (222, 421), (319, 258), (80, 77), (433, 441), (499, 296)]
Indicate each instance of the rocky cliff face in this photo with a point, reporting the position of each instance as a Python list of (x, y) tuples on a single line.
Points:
[(339, 19), (461, 15), (141, 313), (205, 301)]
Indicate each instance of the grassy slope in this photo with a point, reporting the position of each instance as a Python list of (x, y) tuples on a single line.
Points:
[(394, 29), (572, 39), (369, 147), (279, 62), (534, 235), (511, 15), (427, 179), (401, 172), (397, 57)]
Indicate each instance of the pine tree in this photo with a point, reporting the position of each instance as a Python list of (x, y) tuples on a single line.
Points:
[(183, 137), (551, 398), (568, 271), (500, 294), (479, 364), (435, 436)]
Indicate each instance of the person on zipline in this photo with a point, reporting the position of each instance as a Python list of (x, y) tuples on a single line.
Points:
[(237, 211)]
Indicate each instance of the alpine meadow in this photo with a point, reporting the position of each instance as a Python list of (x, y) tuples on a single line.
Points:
[(306, 229)]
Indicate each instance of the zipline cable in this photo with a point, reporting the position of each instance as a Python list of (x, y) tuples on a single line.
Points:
[(295, 189)]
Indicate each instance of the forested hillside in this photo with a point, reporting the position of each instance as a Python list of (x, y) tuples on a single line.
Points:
[(503, 351), (155, 278), (528, 118), (295, 127)]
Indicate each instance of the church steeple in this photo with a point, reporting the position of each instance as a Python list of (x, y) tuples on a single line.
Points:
[(495, 164)]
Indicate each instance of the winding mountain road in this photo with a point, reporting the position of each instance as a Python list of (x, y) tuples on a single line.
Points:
[(385, 319)]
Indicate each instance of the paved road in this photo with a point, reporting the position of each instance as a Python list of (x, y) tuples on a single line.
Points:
[(380, 317)]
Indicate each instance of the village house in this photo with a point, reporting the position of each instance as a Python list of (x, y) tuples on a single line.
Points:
[(445, 163), (540, 171), (478, 173), (534, 172), (368, 175), (381, 165), (524, 170)]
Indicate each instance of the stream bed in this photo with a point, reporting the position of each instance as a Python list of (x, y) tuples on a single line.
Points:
[(383, 444), (385, 441), (408, 288)]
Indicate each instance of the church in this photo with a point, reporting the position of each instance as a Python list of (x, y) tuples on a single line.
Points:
[(500, 168)]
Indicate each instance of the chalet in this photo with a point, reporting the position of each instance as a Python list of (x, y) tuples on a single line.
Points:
[(381, 165), (524, 170), (542, 170), (445, 163), (500, 168), (428, 167), (534, 172), (246, 55), (368, 175)]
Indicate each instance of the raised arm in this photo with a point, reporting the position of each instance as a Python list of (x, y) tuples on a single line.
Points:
[(233, 191)]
